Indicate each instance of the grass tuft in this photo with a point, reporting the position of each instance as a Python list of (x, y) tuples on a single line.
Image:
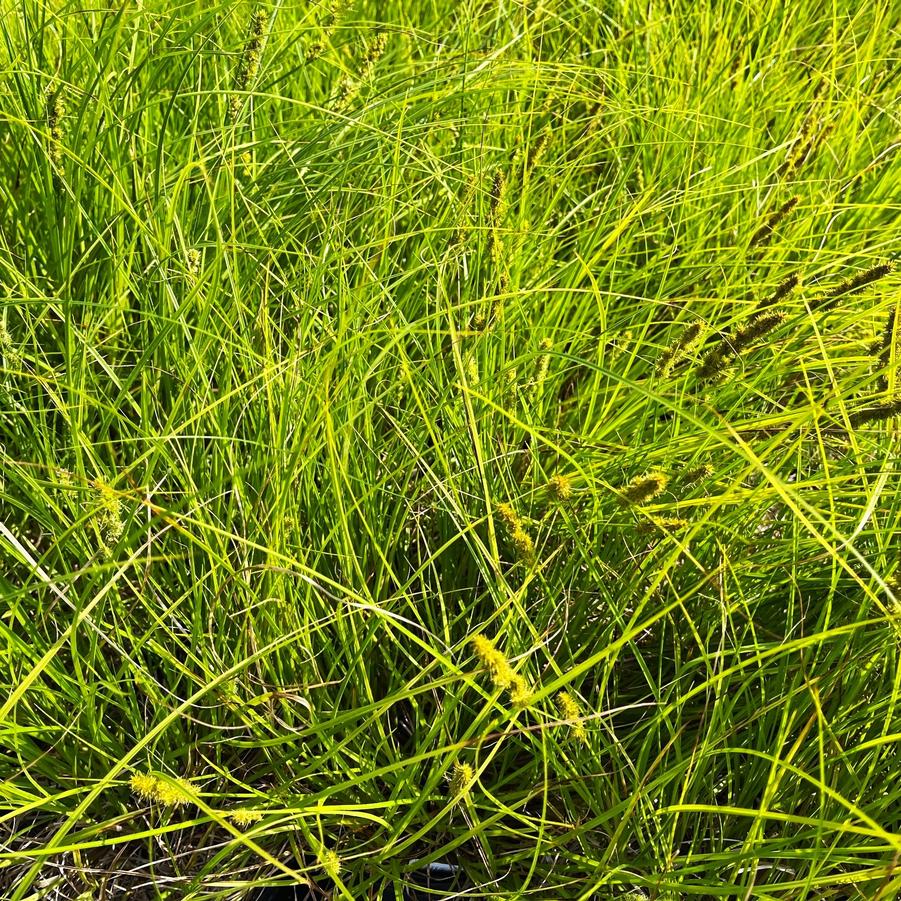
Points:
[(337, 337)]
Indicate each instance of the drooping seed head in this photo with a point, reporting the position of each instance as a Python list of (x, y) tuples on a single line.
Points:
[(569, 711), (853, 285), (498, 196), (375, 49), (696, 474), (522, 542), (690, 335), (765, 232), (643, 488), (876, 413), (520, 691), (508, 516), (786, 286), (668, 524), (492, 659), (758, 327)]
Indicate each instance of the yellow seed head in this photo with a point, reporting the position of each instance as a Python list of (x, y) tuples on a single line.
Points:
[(644, 488), (461, 778), (569, 711), (669, 524), (854, 284), (8, 347), (244, 818), (174, 794), (348, 88), (144, 786), (520, 691), (315, 49), (472, 370), (108, 515), (876, 414), (690, 335), (375, 48), (55, 111), (560, 487), (540, 148), (763, 234), (508, 516), (492, 659), (330, 862), (525, 547), (498, 196)]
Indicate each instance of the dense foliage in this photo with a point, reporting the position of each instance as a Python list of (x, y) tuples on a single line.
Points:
[(458, 432)]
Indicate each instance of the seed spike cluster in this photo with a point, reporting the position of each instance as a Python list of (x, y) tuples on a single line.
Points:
[(8, 348), (569, 710), (560, 487), (108, 515), (508, 515), (786, 286), (618, 346), (540, 148), (759, 326), (243, 817), (807, 141), (464, 215), (690, 335), (55, 111), (174, 794), (853, 285), (524, 545), (335, 14), (498, 205), (330, 863), (249, 65), (502, 674), (144, 786), (373, 51), (461, 778), (370, 54), (541, 367), (520, 691), (643, 488), (722, 354), (876, 414), (765, 232), (884, 346), (695, 474), (148, 787), (498, 197), (519, 537), (670, 525)]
